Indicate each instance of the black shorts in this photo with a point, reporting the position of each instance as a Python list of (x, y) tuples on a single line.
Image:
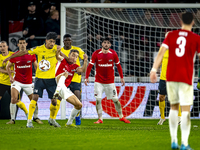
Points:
[(4, 88), (48, 84), (162, 87), (74, 86)]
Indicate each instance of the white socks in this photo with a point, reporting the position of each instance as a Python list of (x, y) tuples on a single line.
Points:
[(173, 125), (118, 108), (12, 111), (36, 112), (185, 127), (99, 108), (60, 83), (73, 114)]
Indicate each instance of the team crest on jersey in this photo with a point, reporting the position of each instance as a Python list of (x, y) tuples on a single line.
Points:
[(110, 60), (73, 70), (28, 61)]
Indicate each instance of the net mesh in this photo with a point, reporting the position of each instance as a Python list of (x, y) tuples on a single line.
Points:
[(136, 36)]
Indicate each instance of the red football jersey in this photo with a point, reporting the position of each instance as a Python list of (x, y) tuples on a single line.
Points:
[(23, 68), (182, 45), (64, 66), (104, 66)]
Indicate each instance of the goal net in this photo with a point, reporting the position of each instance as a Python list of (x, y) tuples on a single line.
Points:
[(136, 32)]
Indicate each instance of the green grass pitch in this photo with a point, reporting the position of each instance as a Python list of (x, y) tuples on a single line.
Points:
[(111, 135)]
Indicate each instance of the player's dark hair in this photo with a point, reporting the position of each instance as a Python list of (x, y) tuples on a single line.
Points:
[(21, 39), (51, 35), (187, 18), (74, 50), (106, 39), (67, 36)]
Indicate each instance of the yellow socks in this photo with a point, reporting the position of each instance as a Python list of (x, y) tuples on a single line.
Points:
[(162, 109), (57, 108), (179, 111), (31, 109), (21, 105), (52, 110)]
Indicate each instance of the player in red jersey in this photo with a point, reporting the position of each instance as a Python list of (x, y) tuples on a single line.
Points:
[(104, 78), (64, 73), (183, 46), (22, 80)]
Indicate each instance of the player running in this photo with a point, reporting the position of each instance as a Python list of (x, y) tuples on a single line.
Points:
[(183, 45), (64, 74), (104, 78), (22, 80)]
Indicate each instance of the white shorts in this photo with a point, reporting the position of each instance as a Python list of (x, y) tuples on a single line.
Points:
[(27, 88), (109, 89), (65, 92), (179, 92)]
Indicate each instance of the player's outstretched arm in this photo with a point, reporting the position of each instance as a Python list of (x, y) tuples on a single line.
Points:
[(20, 53), (83, 68), (156, 64), (8, 68)]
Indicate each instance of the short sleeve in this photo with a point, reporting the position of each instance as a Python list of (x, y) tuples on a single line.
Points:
[(81, 53), (166, 41), (116, 59), (93, 59), (33, 51), (33, 58)]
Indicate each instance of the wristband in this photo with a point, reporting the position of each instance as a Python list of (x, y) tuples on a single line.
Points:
[(153, 70)]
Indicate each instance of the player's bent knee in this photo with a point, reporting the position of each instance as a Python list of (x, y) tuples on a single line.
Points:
[(54, 102), (161, 98), (14, 100)]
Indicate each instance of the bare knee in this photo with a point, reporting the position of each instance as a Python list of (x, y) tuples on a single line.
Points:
[(161, 98), (54, 102), (78, 106), (0, 97), (14, 100)]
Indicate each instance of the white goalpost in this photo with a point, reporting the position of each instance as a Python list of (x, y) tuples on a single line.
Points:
[(136, 31)]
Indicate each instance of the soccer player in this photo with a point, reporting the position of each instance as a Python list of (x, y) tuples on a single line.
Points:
[(104, 78), (64, 74), (183, 46), (75, 85), (22, 80), (163, 90), (45, 78), (4, 77)]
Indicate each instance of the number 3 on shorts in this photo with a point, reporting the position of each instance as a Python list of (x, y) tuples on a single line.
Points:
[(181, 41)]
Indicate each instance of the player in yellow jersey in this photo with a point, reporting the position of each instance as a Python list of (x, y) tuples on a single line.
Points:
[(45, 75), (5, 84), (75, 85), (162, 88)]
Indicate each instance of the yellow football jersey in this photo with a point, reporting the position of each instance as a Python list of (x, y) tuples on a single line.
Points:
[(4, 77), (45, 57), (164, 65), (76, 77)]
